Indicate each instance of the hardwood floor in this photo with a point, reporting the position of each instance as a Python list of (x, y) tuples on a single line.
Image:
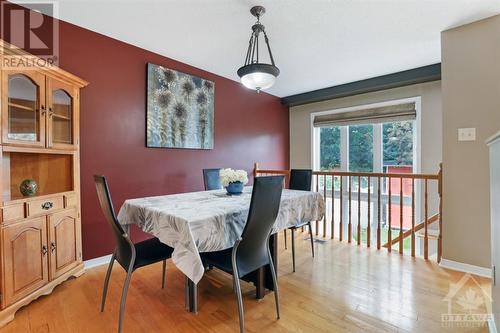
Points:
[(346, 288)]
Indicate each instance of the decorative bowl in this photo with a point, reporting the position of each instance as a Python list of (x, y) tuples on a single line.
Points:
[(28, 187), (235, 188)]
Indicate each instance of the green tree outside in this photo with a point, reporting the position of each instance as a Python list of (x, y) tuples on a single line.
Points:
[(398, 143), (397, 146)]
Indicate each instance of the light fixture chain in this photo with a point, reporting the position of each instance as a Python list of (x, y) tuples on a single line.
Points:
[(257, 40), (253, 48), (269, 48), (247, 59)]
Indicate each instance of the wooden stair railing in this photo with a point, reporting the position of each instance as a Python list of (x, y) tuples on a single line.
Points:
[(418, 227), (331, 184)]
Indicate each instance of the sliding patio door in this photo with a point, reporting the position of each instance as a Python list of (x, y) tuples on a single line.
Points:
[(379, 145)]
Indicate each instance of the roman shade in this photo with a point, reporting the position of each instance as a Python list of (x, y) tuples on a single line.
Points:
[(380, 114)]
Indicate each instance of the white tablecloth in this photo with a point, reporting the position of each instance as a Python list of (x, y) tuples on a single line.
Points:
[(210, 220)]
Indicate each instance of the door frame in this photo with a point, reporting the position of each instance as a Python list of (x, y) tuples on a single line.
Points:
[(377, 153)]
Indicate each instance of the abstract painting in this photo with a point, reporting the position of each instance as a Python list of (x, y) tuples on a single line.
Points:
[(180, 110)]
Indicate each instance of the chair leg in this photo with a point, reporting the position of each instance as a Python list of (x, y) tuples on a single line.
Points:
[(106, 282), (239, 299), (275, 283), (293, 249), (311, 236), (284, 236), (164, 275), (124, 298)]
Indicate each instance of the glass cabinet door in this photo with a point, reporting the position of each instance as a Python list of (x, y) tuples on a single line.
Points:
[(61, 133), (24, 119)]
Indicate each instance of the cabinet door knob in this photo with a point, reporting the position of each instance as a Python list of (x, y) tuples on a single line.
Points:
[(52, 247), (44, 250), (47, 205)]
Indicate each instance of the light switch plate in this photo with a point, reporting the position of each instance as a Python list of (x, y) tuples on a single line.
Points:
[(466, 134)]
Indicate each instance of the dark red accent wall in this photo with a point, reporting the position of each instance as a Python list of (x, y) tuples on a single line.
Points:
[(249, 127)]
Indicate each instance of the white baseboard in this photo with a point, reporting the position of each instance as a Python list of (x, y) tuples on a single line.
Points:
[(492, 328), (466, 268), (91, 263)]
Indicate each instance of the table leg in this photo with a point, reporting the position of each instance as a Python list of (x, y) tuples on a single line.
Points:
[(263, 271), (261, 278), (191, 295)]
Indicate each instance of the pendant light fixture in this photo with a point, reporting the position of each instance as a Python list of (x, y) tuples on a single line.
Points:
[(254, 74)]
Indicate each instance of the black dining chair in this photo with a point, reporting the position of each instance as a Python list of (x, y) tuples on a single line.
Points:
[(129, 255), (211, 179), (300, 179), (251, 251)]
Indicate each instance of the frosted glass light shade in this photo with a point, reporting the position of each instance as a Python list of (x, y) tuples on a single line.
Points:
[(258, 81), (258, 76)]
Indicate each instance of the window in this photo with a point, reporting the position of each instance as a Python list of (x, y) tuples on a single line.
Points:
[(394, 140), (398, 143), (361, 148), (381, 139), (329, 148), (373, 138)]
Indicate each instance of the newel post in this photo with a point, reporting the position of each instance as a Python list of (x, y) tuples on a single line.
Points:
[(255, 168)]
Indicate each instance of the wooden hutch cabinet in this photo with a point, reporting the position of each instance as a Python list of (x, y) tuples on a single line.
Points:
[(40, 235)]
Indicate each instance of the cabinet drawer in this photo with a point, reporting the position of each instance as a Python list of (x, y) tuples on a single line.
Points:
[(70, 201), (45, 206), (13, 212)]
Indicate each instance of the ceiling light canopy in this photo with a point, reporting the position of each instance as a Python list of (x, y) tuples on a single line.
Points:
[(254, 74)]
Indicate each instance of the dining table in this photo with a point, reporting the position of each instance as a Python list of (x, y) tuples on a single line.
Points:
[(207, 221)]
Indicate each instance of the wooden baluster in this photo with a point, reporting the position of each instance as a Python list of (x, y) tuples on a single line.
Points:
[(379, 183), (440, 221), (317, 190), (389, 231), (341, 226), (426, 236), (333, 208), (368, 228), (359, 211), (324, 198), (413, 217), (349, 223), (401, 215)]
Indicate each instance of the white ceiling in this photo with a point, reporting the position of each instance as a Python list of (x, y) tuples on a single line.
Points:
[(316, 43)]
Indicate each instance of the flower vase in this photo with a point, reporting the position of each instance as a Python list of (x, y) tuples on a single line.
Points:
[(235, 188)]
